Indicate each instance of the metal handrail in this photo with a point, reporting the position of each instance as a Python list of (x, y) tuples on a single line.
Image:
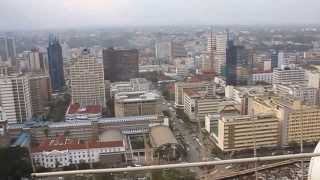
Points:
[(181, 165)]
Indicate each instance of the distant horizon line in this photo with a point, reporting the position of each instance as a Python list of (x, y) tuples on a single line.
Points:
[(236, 25)]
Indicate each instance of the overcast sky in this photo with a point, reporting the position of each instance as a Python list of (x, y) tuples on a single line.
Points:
[(43, 14)]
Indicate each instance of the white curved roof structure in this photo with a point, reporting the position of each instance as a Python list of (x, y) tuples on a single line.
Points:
[(314, 168)]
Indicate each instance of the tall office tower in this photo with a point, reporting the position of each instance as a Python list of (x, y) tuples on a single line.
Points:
[(87, 81), (211, 50), (177, 50), (216, 50), (221, 52), (162, 51), (44, 64), (238, 65), (3, 49), (15, 98), (274, 59), (281, 59), (8, 49), (34, 60), (11, 44), (120, 65), (40, 93), (55, 61)]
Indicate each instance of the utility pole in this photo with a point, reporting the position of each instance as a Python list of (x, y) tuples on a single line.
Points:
[(301, 139), (254, 144)]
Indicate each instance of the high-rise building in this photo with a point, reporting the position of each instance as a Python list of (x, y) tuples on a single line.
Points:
[(162, 51), (34, 60), (120, 65), (177, 50), (37, 61), (87, 81), (3, 49), (7, 49), (238, 65), (216, 53), (221, 52), (15, 98), (55, 61), (209, 63), (274, 59), (11, 44), (40, 93)]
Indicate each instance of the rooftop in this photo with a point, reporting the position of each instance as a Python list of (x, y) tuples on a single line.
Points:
[(162, 135), (74, 123), (77, 109), (61, 143), (136, 96)]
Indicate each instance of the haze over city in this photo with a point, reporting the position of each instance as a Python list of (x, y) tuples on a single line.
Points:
[(46, 14), (159, 89)]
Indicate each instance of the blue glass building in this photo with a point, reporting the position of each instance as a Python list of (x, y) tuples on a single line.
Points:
[(239, 64), (55, 61), (274, 58)]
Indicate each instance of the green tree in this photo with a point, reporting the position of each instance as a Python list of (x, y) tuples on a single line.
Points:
[(14, 163), (173, 174), (46, 132)]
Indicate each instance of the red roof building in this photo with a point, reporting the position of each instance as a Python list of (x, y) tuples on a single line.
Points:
[(76, 112)]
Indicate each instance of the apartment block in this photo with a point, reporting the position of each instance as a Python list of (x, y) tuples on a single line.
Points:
[(15, 98)]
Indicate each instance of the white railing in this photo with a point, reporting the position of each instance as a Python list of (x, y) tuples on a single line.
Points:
[(172, 166)]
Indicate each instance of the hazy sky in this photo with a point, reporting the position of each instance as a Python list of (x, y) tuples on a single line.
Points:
[(39, 14)]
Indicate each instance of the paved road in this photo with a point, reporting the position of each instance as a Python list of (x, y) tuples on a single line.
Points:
[(181, 128)]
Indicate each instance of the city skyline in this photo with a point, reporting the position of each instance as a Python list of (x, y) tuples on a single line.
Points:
[(35, 14)]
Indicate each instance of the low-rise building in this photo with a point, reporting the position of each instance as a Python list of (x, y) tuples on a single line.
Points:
[(240, 132), (262, 77), (64, 152), (288, 74), (136, 103), (76, 112), (308, 95), (84, 129), (180, 87), (135, 84), (295, 119), (197, 104)]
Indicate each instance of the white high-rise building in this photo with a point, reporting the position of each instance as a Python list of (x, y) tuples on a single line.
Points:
[(216, 50), (209, 62), (15, 98), (221, 51), (7, 49), (34, 60), (87, 81)]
